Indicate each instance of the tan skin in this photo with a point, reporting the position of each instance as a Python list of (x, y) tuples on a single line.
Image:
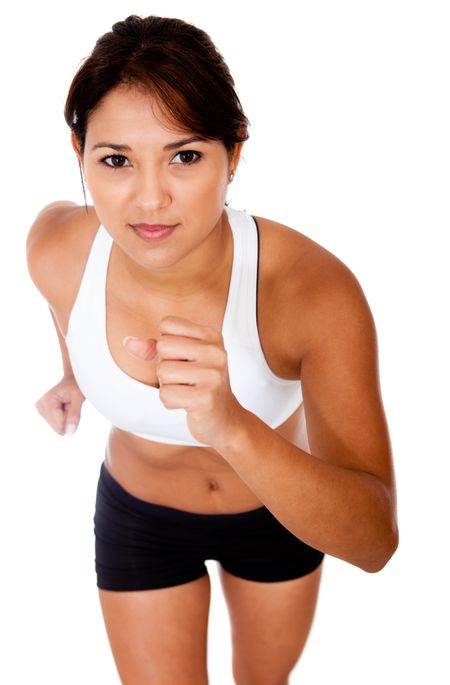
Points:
[(188, 276), (146, 282)]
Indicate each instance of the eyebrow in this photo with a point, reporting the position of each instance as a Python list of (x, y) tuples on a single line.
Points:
[(169, 146)]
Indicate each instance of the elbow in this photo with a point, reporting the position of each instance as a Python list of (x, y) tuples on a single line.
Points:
[(385, 551)]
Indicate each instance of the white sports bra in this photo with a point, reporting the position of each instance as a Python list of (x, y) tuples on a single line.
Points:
[(136, 407)]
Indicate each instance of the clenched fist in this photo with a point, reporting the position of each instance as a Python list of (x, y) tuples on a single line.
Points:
[(193, 375)]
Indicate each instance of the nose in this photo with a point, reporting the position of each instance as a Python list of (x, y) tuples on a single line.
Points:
[(151, 188)]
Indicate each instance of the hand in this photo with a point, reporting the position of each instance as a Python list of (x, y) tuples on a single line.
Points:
[(61, 405), (193, 375)]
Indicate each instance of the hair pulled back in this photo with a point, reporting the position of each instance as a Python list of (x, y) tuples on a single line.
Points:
[(172, 60)]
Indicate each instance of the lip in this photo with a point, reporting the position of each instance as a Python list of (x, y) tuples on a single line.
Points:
[(153, 227), (153, 231)]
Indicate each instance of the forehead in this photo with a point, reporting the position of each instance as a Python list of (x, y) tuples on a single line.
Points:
[(134, 117), (131, 109)]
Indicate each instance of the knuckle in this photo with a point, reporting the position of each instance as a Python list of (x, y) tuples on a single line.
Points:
[(216, 377), (165, 396), (223, 357), (218, 353)]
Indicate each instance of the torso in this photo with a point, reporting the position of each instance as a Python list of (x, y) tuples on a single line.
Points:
[(192, 478)]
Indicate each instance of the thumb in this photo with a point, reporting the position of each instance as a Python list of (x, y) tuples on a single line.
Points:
[(72, 421), (144, 348)]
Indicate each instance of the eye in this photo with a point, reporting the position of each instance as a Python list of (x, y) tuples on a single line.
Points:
[(189, 152), (113, 166), (121, 159)]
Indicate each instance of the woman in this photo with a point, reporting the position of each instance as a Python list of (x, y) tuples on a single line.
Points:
[(234, 356)]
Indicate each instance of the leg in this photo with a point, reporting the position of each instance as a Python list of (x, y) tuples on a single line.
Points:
[(159, 637), (270, 623), (154, 590)]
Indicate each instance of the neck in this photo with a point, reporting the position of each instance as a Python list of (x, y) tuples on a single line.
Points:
[(200, 272)]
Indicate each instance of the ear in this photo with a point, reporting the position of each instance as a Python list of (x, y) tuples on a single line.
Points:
[(236, 155), (76, 146)]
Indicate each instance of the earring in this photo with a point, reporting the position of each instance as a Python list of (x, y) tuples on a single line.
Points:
[(231, 175)]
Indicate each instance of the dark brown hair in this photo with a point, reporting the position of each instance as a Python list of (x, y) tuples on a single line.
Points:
[(172, 60)]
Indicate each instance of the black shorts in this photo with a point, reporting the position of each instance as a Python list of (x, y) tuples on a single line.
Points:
[(140, 545)]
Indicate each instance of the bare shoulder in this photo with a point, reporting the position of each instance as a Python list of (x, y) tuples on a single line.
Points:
[(316, 290), (295, 253), (57, 243)]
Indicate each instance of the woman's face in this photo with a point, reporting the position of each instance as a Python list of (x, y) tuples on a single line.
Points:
[(146, 183)]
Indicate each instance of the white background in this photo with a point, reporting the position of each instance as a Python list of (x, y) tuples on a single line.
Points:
[(349, 111)]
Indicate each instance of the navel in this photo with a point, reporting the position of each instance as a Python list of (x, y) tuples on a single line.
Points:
[(212, 484)]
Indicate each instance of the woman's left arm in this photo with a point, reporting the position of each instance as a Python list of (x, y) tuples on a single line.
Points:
[(341, 498)]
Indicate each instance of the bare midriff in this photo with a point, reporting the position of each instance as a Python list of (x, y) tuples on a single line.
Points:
[(187, 477)]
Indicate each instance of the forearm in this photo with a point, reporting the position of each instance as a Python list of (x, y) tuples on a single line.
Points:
[(345, 513), (67, 366)]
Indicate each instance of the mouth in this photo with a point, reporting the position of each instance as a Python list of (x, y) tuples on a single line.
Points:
[(150, 232)]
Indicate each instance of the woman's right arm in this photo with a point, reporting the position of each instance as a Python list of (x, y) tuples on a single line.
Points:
[(61, 405), (67, 366)]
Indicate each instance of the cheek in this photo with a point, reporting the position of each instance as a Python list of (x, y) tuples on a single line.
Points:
[(211, 181), (107, 191)]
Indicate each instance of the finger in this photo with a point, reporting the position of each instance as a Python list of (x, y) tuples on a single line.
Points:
[(143, 348), (178, 325), (72, 419), (178, 396), (53, 412), (184, 373), (179, 347), (71, 427), (58, 417)]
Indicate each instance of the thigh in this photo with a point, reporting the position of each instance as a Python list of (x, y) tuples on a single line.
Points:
[(159, 636), (270, 580), (270, 623)]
